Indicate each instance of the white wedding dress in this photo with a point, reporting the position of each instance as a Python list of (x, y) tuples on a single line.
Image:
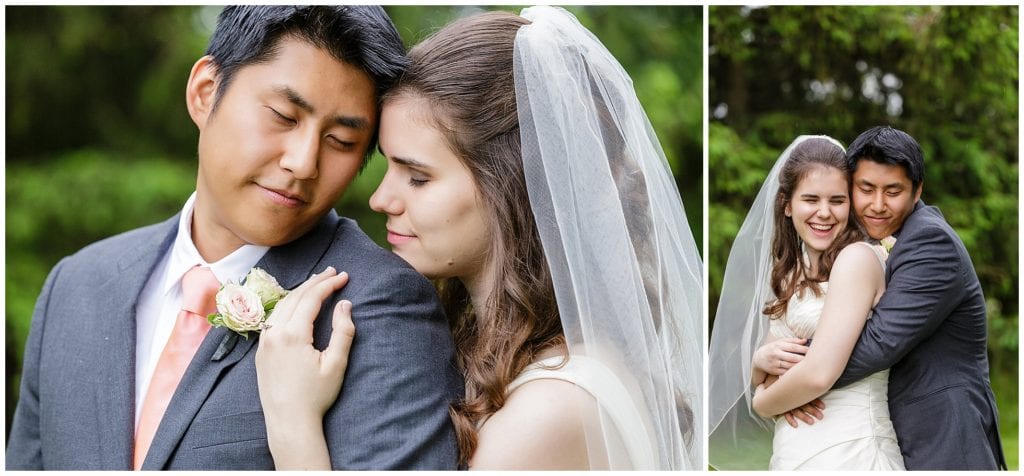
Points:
[(856, 432), (616, 402)]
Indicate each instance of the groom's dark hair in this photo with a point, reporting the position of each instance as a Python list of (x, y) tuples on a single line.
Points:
[(885, 145), (362, 36)]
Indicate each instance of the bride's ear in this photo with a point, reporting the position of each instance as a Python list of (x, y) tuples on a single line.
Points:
[(788, 211), (201, 90)]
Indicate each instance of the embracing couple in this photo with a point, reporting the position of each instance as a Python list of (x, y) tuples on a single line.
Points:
[(522, 178), (851, 313)]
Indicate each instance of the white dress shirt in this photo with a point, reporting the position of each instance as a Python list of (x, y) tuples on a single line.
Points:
[(160, 301)]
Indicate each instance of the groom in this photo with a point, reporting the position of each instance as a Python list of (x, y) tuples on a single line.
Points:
[(930, 325), (286, 102)]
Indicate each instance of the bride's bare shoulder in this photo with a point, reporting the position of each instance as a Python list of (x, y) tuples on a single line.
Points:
[(540, 427), (859, 261)]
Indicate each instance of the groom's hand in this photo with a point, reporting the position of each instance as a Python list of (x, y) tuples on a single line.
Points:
[(780, 355), (806, 413)]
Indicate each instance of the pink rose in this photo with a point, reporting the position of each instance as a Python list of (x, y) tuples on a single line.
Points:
[(240, 308)]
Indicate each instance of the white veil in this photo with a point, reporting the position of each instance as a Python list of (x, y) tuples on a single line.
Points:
[(738, 438), (625, 267)]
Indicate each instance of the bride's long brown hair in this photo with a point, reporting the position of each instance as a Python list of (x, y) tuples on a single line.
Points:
[(789, 275), (463, 76)]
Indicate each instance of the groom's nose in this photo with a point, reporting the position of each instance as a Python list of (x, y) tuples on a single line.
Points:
[(878, 202), (301, 155)]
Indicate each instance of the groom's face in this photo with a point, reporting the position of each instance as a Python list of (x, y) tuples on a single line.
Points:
[(883, 197), (281, 146)]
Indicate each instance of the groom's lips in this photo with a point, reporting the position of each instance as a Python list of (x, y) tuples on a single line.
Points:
[(876, 221), (282, 197)]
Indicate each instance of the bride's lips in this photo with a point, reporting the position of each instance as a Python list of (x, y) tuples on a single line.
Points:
[(821, 229), (282, 197), (397, 238)]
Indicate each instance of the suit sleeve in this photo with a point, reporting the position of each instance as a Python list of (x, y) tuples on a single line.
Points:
[(925, 284), (393, 409), (24, 445)]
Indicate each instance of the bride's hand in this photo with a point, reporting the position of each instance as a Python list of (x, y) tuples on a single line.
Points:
[(298, 383), (780, 355)]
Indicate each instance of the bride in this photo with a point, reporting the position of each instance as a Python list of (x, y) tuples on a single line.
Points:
[(803, 212), (524, 177)]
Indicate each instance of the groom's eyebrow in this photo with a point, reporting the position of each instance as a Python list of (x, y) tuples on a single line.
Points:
[(868, 183), (345, 121)]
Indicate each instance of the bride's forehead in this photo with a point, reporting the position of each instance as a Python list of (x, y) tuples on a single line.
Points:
[(823, 178)]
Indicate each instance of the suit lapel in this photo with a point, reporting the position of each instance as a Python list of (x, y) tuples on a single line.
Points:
[(290, 264), (115, 387), (920, 209)]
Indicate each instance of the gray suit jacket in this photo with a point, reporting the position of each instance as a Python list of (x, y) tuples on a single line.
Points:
[(930, 328), (76, 409)]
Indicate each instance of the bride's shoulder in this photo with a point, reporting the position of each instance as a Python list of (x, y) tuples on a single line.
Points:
[(541, 426), (858, 257)]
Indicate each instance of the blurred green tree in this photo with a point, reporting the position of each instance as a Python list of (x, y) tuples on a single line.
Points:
[(948, 75)]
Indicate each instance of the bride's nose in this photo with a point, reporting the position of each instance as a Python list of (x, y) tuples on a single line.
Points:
[(384, 200), (824, 211)]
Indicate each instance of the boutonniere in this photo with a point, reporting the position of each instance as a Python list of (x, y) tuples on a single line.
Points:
[(887, 243), (244, 308)]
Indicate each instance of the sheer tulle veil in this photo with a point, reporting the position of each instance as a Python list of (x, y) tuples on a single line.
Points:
[(626, 271), (738, 438)]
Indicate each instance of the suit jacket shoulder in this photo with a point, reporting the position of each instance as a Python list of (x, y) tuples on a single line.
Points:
[(107, 257), (401, 371), (927, 234)]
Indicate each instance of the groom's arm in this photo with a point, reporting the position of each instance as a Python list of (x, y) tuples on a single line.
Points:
[(924, 286), (393, 409), (24, 445)]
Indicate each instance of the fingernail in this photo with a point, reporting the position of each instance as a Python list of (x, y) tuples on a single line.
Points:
[(329, 268)]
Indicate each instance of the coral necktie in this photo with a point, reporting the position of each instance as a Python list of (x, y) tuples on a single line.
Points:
[(198, 287)]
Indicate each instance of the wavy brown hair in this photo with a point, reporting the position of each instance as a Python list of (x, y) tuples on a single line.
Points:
[(789, 276), (463, 75)]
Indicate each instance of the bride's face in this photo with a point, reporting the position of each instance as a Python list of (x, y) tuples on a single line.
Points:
[(435, 214), (820, 208)]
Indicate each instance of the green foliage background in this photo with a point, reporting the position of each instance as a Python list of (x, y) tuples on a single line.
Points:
[(99, 141), (946, 75)]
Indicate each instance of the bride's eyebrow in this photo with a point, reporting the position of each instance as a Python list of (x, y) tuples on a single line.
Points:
[(410, 162)]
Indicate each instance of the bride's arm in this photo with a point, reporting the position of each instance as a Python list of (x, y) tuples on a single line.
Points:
[(854, 285), (775, 357), (298, 383), (758, 374)]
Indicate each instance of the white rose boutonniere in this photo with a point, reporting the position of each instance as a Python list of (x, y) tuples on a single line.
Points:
[(887, 243), (244, 308), (263, 284)]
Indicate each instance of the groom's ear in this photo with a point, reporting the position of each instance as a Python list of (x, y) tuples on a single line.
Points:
[(201, 90)]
